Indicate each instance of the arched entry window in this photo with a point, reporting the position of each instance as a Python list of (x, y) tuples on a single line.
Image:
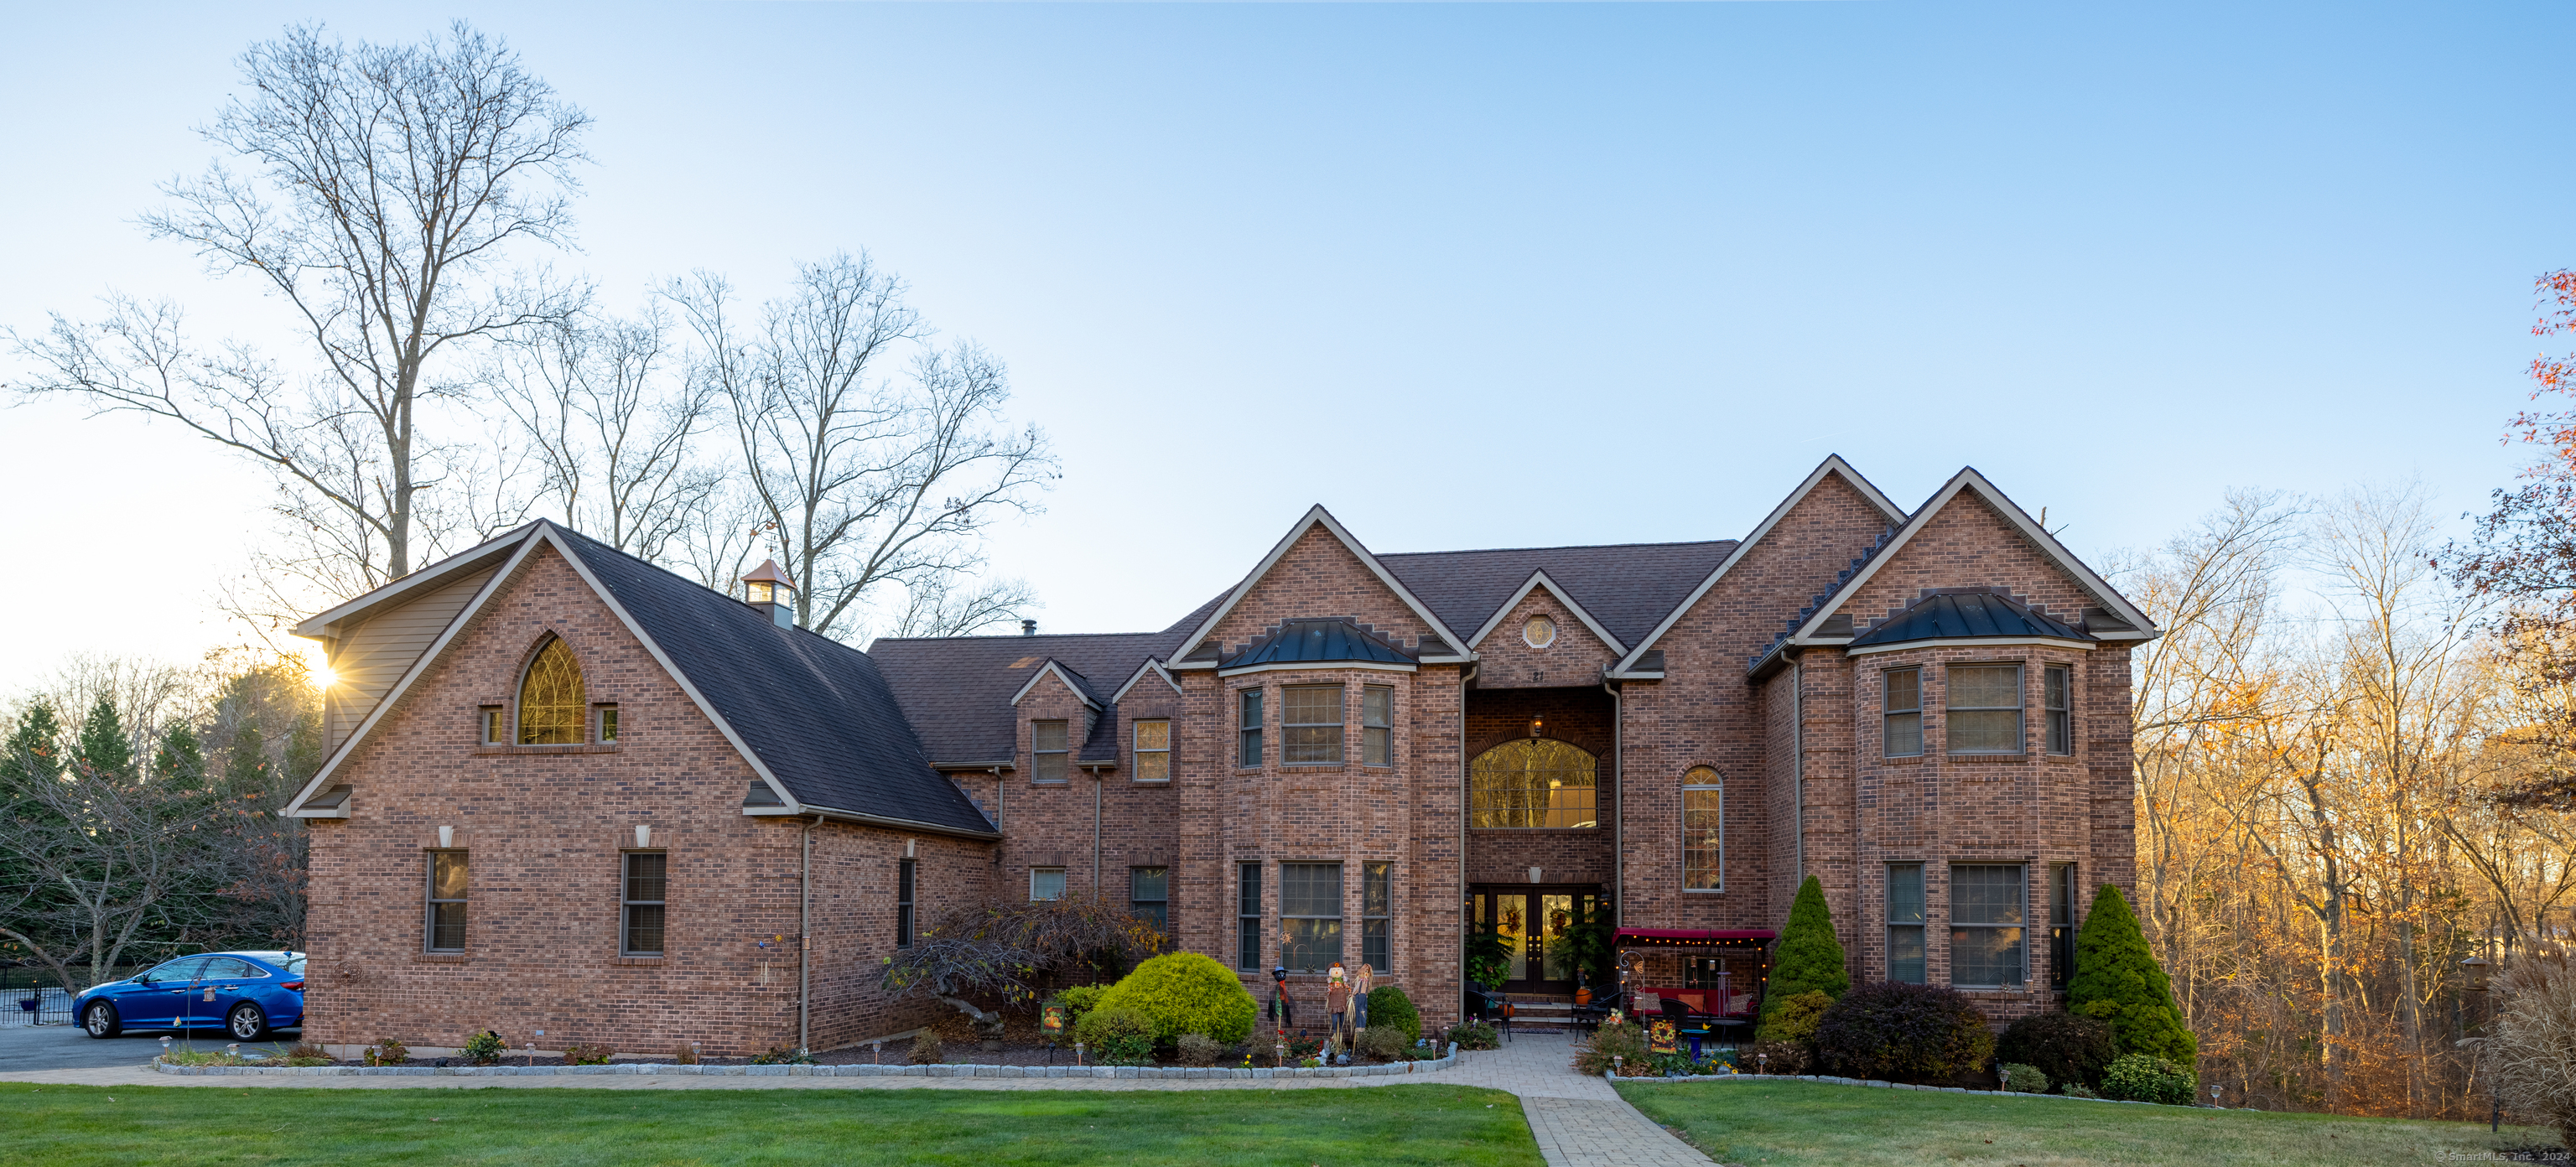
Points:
[(551, 710), (1531, 782)]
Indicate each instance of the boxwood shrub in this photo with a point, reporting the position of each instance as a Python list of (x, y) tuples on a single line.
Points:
[(2063, 1046), (2148, 1078), (1915, 1033), (1389, 1007), (1184, 992)]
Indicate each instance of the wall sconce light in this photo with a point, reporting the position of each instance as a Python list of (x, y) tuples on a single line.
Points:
[(1537, 725), (446, 837), (1534, 873), (907, 847), (643, 835)]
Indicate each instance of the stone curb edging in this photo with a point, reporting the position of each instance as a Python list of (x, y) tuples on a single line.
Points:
[(1162, 1073), (1833, 1081)]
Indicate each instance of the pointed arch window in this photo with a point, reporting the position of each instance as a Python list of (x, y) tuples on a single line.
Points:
[(551, 709), (1531, 782)]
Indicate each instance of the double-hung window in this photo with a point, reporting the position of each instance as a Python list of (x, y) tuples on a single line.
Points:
[(1250, 754), (1047, 741), (1903, 713), (1377, 914), (903, 877), (647, 888), (1310, 915), (1987, 949), (1149, 895), (1247, 916), (1153, 751), (1313, 726), (1905, 922), (446, 901), (1703, 830), (1984, 714), (1046, 883), (2058, 681), (1377, 725)]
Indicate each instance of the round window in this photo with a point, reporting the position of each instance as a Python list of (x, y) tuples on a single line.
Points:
[(1539, 632)]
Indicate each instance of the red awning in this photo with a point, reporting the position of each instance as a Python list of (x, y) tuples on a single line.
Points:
[(1651, 936)]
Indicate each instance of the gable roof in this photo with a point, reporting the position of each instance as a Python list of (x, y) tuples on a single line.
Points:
[(1080, 685), (1539, 579), (1965, 614), (2127, 622), (1188, 656), (958, 690), (812, 716), (1833, 466)]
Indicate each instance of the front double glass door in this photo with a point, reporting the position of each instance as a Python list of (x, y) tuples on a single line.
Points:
[(1537, 927)]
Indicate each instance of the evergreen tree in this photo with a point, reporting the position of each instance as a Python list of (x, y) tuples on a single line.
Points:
[(104, 748), (34, 749), (246, 764), (179, 760), (2117, 979), (1810, 959)]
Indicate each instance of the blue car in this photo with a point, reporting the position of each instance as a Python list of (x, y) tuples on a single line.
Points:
[(245, 993)]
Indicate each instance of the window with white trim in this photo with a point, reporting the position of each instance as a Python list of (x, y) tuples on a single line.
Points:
[(1703, 830), (1153, 751), (1313, 726), (1047, 739), (1046, 883)]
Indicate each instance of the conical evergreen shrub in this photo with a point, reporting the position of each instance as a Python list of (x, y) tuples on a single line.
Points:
[(2117, 979), (1809, 959)]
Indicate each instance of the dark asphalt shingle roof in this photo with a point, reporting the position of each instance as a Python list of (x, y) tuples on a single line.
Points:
[(957, 690), (1303, 641), (818, 713), (1949, 615), (1628, 587)]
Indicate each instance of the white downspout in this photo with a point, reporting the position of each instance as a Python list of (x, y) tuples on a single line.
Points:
[(1798, 768), (805, 943), (1618, 809)]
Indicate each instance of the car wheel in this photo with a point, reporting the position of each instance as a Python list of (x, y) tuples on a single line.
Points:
[(246, 1022), (99, 1020)]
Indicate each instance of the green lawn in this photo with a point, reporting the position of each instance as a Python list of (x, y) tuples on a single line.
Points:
[(1791, 1124), (61, 1126)]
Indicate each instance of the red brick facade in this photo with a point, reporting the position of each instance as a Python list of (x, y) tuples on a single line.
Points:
[(1797, 745)]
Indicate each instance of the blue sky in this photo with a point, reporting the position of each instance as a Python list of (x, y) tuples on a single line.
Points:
[(1469, 275)]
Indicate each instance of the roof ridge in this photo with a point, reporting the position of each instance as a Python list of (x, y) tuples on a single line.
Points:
[(1561, 547)]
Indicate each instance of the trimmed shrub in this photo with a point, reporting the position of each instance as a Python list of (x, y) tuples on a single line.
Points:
[(1198, 1049), (1389, 1007), (1921, 1033), (1794, 1021), (485, 1048), (388, 1052), (1625, 1042), (1184, 992), (587, 1055), (2063, 1046), (1471, 1035), (1118, 1037), (2077, 1090), (2148, 1078), (1774, 1057), (1809, 960), (2117, 980), (305, 1053), (2534, 1042), (2021, 1079), (1079, 1000), (925, 1049), (1386, 1043)]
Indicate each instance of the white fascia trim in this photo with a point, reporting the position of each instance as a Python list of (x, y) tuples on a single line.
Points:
[(1833, 464), (1151, 667), (1317, 666), (544, 531), (1971, 642), (1539, 579), (1315, 515), (878, 820), (338, 812), (320, 626), (1968, 479), (1051, 667)]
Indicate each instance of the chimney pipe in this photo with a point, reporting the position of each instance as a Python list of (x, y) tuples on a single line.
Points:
[(1028, 627)]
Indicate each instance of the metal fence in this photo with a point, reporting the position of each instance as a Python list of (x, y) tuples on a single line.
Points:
[(32, 997)]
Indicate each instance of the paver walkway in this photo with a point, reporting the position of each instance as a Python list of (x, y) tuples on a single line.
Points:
[(1579, 1121)]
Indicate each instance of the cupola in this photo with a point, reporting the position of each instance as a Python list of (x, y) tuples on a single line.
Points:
[(766, 589)]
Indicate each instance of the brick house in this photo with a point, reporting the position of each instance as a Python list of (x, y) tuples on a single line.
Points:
[(572, 792)]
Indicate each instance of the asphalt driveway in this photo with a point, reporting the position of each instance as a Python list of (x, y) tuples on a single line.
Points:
[(65, 1047)]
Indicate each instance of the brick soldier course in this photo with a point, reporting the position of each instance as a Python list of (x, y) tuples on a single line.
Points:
[(785, 782)]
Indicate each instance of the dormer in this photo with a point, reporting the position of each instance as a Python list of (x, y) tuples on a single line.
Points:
[(766, 589)]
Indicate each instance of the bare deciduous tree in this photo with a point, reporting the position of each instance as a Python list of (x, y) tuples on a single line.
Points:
[(868, 478), (610, 417), (386, 188)]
